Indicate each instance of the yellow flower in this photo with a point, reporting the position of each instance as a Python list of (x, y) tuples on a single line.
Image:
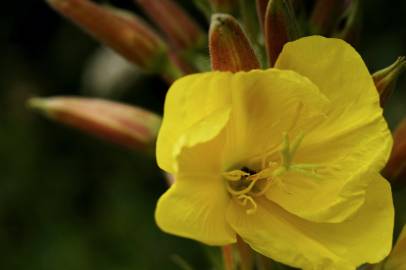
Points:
[(287, 158)]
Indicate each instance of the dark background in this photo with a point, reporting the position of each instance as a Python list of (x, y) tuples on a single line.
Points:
[(69, 201)]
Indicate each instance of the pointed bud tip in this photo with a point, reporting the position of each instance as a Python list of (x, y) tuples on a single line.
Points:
[(126, 125), (280, 26), (385, 79), (35, 103), (38, 104), (230, 49), (219, 19)]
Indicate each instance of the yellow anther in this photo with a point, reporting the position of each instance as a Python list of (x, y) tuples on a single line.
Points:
[(265, 173), (235, 175), (243, 191), (244, 200)]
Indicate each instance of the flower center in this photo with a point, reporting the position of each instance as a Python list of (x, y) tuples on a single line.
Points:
[(245, 184)]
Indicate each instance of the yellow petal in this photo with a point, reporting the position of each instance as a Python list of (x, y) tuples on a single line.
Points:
[(201, 148), (336, 68), (265, 104), (365, 237), (188, 101), (195, 205), (352, 140)]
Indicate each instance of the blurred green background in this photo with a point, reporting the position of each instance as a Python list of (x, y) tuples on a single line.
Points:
[(69, 201)]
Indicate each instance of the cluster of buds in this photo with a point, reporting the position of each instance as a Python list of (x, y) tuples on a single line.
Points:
[(234, 45)]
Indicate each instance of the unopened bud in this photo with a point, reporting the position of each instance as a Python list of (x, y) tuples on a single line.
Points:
[(261, 11), (120, 30), (395, 169), (230, 49), (280, 27), (325, 15), (125, 125), (385, 79), (181, 30), (349, 25)]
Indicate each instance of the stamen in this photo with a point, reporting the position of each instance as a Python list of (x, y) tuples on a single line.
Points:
[(296, 143), (243, 191), (244, 184), (235, 175), (244, 200)]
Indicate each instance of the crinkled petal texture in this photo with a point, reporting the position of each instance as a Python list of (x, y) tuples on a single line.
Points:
[(189, 101), (353, 140), (204, 135), (195, 205), (365, 237), (218, 121)]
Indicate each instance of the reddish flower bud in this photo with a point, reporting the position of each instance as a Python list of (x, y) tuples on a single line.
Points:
[(229, 47), (181, 30), (261, 11), (125, 125), (395, 169), (280, 26), (385, 79), (326, 15), (349, 26), (120, 30)]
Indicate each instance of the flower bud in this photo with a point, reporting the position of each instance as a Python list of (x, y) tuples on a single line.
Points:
[(181, 30), (125, 125), (349, 26), (385, 79), (395, 169), (280, 26), (325, 15), (122, 31), (230, 49), (261, 11)]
